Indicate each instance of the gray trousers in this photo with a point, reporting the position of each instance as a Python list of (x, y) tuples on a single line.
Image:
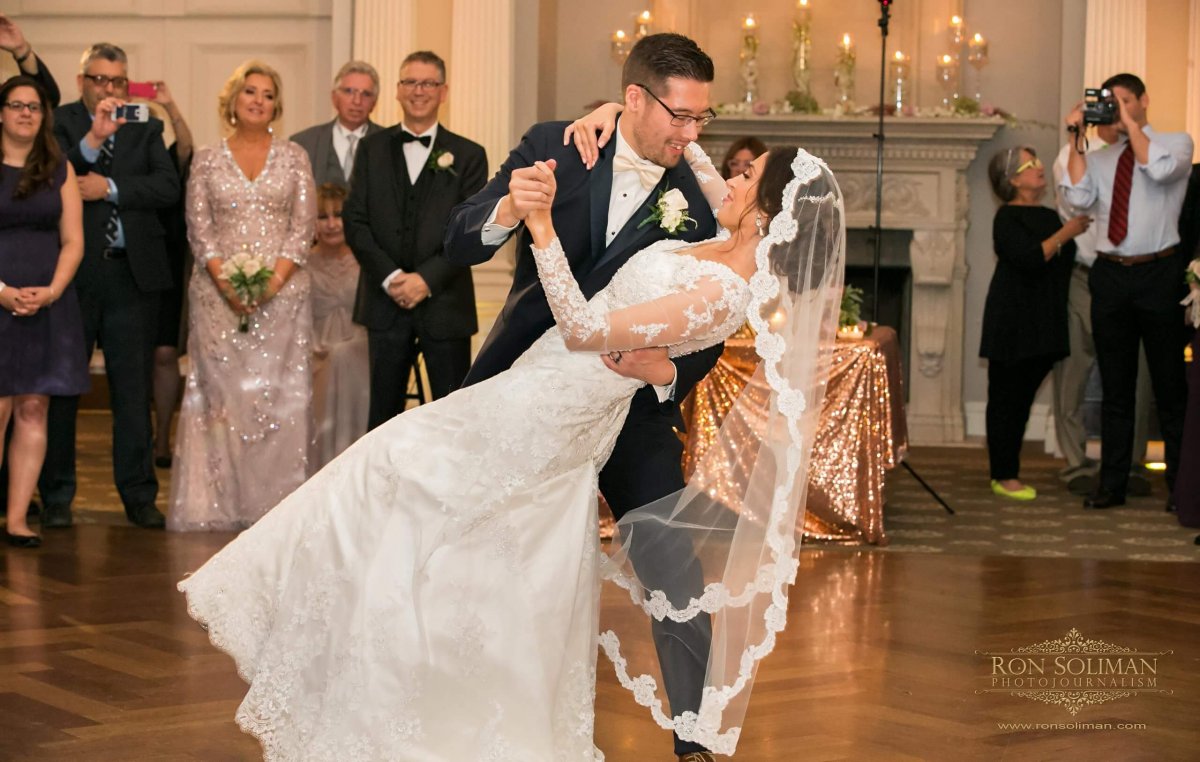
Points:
[(1070, 382)]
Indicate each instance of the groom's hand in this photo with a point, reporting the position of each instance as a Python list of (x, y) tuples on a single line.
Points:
[(650, 365), (528, 190)]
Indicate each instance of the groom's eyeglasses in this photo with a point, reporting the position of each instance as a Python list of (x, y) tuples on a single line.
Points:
[(682, 120)]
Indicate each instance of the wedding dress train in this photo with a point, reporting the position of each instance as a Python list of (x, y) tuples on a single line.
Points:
[(433, 593)]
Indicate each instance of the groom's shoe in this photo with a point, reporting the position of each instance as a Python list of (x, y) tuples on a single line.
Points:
[(698, 756), (56, 516), (145, 516)]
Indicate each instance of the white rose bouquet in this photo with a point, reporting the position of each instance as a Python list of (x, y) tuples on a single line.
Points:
[(248, 276), (670, 212)]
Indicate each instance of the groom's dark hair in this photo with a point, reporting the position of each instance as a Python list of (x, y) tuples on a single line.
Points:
[(657, 57)]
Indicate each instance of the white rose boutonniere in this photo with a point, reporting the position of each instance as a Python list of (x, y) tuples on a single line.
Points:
[(670, 212), (441, 161)]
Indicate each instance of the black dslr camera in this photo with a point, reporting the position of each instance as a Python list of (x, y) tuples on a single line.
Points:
[(1099, 107)]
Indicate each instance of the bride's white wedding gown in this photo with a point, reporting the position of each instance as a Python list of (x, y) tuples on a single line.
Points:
[(433, 593)]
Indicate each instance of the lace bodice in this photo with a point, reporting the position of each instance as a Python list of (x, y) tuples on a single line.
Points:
[(661, 297)]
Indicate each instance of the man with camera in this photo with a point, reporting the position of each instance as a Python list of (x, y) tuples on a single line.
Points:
[(1137, 187), (125, 176)]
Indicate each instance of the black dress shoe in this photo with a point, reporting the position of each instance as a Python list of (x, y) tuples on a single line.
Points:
[(1138, 483), (1082, 485), (146, 516), (23, 540), (1171, 505), (1102, 498), (162, 461), (56, 516)]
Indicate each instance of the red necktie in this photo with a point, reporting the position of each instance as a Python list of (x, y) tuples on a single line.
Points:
[(1118, 218)]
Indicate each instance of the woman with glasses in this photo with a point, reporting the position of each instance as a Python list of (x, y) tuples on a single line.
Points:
[(244, 427), (1025, 316), (41, 246)]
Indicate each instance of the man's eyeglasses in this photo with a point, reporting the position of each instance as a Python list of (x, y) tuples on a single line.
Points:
[(100, 80), (683, 120), (354, 92), (420, 84), (18, 106), (1034, 162)]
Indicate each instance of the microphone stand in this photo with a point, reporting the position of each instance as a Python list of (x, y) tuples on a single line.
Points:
[(885, 13)]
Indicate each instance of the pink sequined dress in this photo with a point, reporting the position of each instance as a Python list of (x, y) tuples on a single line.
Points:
[(244, 428)]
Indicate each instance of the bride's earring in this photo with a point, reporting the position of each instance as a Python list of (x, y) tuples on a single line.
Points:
[(758, 223)]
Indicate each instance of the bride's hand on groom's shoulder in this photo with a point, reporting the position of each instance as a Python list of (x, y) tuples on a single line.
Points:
[(584, 131), (538, 220)]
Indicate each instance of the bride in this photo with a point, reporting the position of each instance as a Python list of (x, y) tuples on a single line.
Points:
[(433, 593)]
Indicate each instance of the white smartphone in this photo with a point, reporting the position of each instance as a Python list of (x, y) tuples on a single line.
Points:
[(133, 112)]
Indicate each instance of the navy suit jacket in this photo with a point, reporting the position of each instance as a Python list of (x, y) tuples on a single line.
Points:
[(580, 214), (147, 182)]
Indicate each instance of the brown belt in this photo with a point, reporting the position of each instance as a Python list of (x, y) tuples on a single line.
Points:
[(1136, 259)]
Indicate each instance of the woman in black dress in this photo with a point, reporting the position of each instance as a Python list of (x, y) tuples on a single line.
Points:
[(1025, 316), (41, 330)]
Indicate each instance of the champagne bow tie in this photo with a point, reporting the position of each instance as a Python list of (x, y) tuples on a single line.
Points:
[(648, 172)]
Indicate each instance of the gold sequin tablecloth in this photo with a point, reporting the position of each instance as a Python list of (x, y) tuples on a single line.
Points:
[(862, 433)]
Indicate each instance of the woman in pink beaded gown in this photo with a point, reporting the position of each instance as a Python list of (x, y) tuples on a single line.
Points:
[(244, 427)]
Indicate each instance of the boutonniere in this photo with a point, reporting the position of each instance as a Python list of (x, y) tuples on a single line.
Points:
[(670, 212), (441, 161)]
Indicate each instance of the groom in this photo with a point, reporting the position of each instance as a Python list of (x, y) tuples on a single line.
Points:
[(598, 215)]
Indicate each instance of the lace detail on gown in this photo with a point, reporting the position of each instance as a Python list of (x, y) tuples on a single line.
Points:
[(372, 610)]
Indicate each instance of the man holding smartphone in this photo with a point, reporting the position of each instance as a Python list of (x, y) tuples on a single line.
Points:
[(125, 176)]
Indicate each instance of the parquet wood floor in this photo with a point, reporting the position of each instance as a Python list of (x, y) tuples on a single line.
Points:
[(99, 661)]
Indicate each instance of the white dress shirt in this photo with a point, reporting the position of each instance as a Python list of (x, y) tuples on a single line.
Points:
[(1085, 242), (341, 142), (415, 157), (1155, 199)]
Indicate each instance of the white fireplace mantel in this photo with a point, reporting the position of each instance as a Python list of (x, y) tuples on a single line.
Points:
[(925, 191)]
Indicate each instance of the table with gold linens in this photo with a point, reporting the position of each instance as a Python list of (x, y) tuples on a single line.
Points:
[(862, 431)]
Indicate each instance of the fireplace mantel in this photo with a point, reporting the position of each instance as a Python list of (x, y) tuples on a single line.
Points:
[(925, 191)]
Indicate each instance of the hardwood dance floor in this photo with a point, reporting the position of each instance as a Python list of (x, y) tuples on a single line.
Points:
[(99, 661)]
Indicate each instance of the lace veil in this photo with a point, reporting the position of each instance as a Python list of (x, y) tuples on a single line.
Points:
[(713, 562)]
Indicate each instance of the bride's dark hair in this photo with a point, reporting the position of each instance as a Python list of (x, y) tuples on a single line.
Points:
[(768, 202)]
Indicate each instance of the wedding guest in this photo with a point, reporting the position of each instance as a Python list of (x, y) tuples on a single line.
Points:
[(12, 41), (244, 426), (341, 379), (1138, 187), (41, 245), (411, 299), (740, 155), (331, 146), (1025, 315), (125, 177), (167, 381), (1187, 485)]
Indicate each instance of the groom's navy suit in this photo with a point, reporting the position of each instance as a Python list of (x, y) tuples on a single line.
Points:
[(646, 461)]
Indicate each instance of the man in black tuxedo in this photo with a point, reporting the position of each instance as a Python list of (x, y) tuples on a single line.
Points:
[(597, 213), (411, 299), (331, 146), (125, 177)]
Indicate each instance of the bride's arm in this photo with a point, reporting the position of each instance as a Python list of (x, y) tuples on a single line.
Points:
[(592, 132), (671, 319)]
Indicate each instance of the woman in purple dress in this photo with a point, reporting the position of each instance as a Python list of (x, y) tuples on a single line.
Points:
[(41, 330), (242, 442)]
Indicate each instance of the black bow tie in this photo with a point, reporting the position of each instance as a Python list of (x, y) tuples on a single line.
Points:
[(408, 137)]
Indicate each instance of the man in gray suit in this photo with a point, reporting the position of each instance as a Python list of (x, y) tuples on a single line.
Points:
[(331, 146)]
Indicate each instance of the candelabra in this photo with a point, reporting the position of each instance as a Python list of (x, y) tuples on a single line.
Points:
[(947, 77), (802, 49), (977, 56), (900, 77), (843, 73), (620, 46), (748, 60)]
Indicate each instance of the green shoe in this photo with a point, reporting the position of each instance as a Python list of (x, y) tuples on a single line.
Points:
[(1025, 493)]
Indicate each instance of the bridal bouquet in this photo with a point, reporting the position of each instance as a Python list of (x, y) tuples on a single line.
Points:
[(248, 275)]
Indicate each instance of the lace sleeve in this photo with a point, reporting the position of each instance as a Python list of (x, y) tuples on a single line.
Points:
[(703, 305), (712, 185)]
